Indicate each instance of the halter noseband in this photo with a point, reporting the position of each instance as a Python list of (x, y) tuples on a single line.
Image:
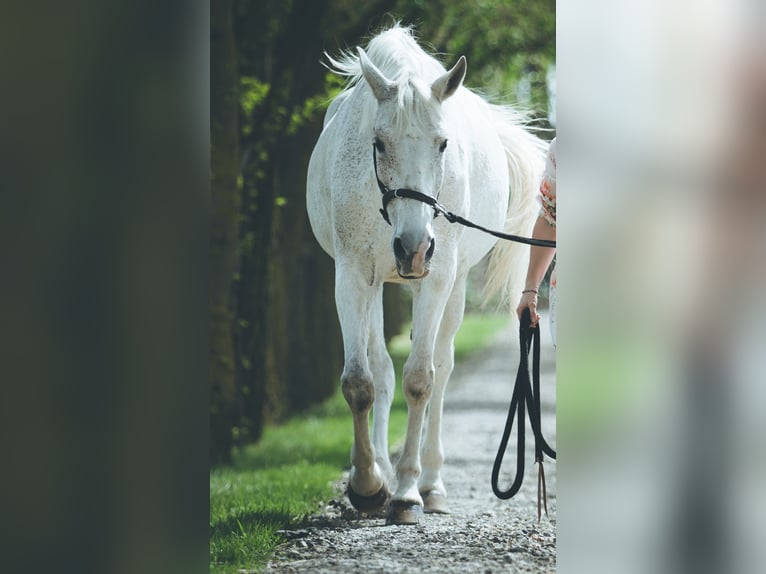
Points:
[(389, 194)]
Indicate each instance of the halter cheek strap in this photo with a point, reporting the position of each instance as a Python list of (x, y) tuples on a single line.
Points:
[(389, 194)]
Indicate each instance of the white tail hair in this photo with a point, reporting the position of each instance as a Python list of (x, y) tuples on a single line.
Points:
[(525, 154)]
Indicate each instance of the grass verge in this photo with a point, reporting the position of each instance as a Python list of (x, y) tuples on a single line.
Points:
[(274, 484)]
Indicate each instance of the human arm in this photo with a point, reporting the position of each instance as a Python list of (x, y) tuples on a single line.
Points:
[(539, 260)]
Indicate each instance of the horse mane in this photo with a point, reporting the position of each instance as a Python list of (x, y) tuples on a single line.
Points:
[(401, 59)]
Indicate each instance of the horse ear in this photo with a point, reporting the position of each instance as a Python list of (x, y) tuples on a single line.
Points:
[(381, 86), (446, 85)]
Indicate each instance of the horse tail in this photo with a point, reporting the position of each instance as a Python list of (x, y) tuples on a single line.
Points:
[(525, 154)]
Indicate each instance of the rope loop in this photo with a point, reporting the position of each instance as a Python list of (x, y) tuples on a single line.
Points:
[(526, 394)]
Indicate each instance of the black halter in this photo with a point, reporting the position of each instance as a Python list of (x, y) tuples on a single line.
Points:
[(389, 194)]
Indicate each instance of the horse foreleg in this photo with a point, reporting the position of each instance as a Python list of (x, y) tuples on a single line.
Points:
[(354, 299), (431, 485), (384, 381), (418, 382)]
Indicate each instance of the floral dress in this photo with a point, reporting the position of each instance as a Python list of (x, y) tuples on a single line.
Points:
[(548, 212)]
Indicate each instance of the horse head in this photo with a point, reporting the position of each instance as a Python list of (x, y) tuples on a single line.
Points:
[(410, 139)]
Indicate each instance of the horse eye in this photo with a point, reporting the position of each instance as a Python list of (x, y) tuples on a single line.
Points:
[(443, 146), (379, 146)]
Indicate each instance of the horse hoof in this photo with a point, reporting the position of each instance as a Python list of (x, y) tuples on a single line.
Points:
[(400, 512), (368, 504), (435, 503)]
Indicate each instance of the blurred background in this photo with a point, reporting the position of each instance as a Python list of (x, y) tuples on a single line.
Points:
[(661, 111), (276, 347)]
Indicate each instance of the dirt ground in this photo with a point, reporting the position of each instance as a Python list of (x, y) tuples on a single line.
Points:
[(482, 533)]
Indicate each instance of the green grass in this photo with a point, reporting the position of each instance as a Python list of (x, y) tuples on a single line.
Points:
[(247, 507), (276, 483)]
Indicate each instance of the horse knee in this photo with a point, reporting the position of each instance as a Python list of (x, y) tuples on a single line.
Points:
[(358, 389), (418, 384)]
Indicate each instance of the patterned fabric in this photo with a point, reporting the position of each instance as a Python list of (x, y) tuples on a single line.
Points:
[(548, 212), (548, 187)]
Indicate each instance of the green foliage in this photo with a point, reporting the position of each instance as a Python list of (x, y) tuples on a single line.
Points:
[(313, 108), (509, 45), (252, 93)]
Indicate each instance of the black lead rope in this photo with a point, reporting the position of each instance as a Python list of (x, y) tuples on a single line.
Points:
[(389, 194), (525, 393)]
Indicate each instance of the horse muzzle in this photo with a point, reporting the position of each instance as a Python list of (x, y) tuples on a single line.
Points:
[(413, 262)]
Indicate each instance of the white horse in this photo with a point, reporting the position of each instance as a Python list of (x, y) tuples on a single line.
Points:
[(411, 123)]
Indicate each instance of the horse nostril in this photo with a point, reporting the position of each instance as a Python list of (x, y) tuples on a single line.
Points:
[(430, 252), (399, 251)]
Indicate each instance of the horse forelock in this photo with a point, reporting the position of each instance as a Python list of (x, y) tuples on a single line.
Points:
[(416, 108), (403, 61), (397, 54)]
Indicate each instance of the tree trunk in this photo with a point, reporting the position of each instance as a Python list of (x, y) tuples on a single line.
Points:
[(224, 165)]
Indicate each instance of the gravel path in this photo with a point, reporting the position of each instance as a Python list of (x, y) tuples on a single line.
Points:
[(482, 534)]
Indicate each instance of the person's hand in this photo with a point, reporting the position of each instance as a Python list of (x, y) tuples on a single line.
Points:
[(529, 300)]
